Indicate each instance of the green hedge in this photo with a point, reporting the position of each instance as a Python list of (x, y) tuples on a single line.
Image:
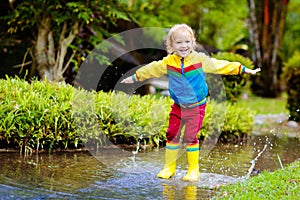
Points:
[(231, 120), (42, 115), (234, 85), (36, 115), (291, 76)]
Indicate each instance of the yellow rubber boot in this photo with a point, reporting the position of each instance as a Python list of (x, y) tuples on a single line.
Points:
[(193, 173), (169, 168), (190, 192)]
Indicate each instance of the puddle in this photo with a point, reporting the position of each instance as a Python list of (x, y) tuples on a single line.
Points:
[(80, 175)]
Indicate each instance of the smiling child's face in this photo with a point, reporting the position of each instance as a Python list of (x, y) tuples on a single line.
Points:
[(182, 43)]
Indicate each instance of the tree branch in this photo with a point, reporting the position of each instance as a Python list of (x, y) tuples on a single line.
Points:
[(68, 63), (63, 46), (22, 64), (51, 49)]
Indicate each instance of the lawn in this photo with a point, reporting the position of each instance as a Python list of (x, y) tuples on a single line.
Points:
[(265, 105), (280, 184)]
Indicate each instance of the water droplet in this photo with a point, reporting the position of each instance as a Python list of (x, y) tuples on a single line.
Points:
[(267, 138)]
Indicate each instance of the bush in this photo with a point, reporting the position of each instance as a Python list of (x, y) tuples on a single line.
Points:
[(44, 116), (134, 117), (291, 75), (231, 121), (36, 115), (234, 85)]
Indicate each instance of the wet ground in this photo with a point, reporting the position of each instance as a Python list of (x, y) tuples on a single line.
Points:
[(121, 174)]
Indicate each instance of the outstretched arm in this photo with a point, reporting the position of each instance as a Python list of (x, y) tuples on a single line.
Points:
[(215, 66), (252, 71), (154, 69)]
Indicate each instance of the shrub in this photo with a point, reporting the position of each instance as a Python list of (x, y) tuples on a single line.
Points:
[(291, 75), (44, 116), (36, 115), (230, 121), (233, 84), (134, 118)]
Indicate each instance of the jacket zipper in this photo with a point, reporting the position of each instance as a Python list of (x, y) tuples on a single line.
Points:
[(182, 66)]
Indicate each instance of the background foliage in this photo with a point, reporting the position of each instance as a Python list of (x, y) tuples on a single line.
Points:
[(234, 85), (291, 42), (291, 74)]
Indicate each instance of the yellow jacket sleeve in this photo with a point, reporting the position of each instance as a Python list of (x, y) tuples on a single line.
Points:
[(154, 69), (214, 66)]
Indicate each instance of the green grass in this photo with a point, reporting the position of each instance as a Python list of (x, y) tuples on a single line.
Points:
[(265, 105), (280, 184)]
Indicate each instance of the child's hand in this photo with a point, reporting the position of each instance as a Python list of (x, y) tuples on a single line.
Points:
[(252, 71), (128, 80)]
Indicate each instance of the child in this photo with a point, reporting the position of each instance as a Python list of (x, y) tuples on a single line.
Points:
[(186, 70)]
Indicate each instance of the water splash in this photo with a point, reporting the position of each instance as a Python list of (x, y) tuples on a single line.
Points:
[(281, 165), (137, 145), (253, 162), (133, 157)]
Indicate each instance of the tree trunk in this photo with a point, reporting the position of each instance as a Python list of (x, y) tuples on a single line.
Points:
[(41, 49), (51, 63), (266, 27), (63, 45)]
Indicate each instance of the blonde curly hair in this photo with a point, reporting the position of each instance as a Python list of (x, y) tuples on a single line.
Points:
[(174, 29)]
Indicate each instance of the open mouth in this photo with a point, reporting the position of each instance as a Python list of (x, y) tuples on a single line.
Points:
[(183, 51)]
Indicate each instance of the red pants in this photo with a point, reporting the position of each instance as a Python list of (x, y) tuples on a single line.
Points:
[(191, 118)]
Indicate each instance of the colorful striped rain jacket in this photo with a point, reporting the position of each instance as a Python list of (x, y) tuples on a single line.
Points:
[(187, 79)]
